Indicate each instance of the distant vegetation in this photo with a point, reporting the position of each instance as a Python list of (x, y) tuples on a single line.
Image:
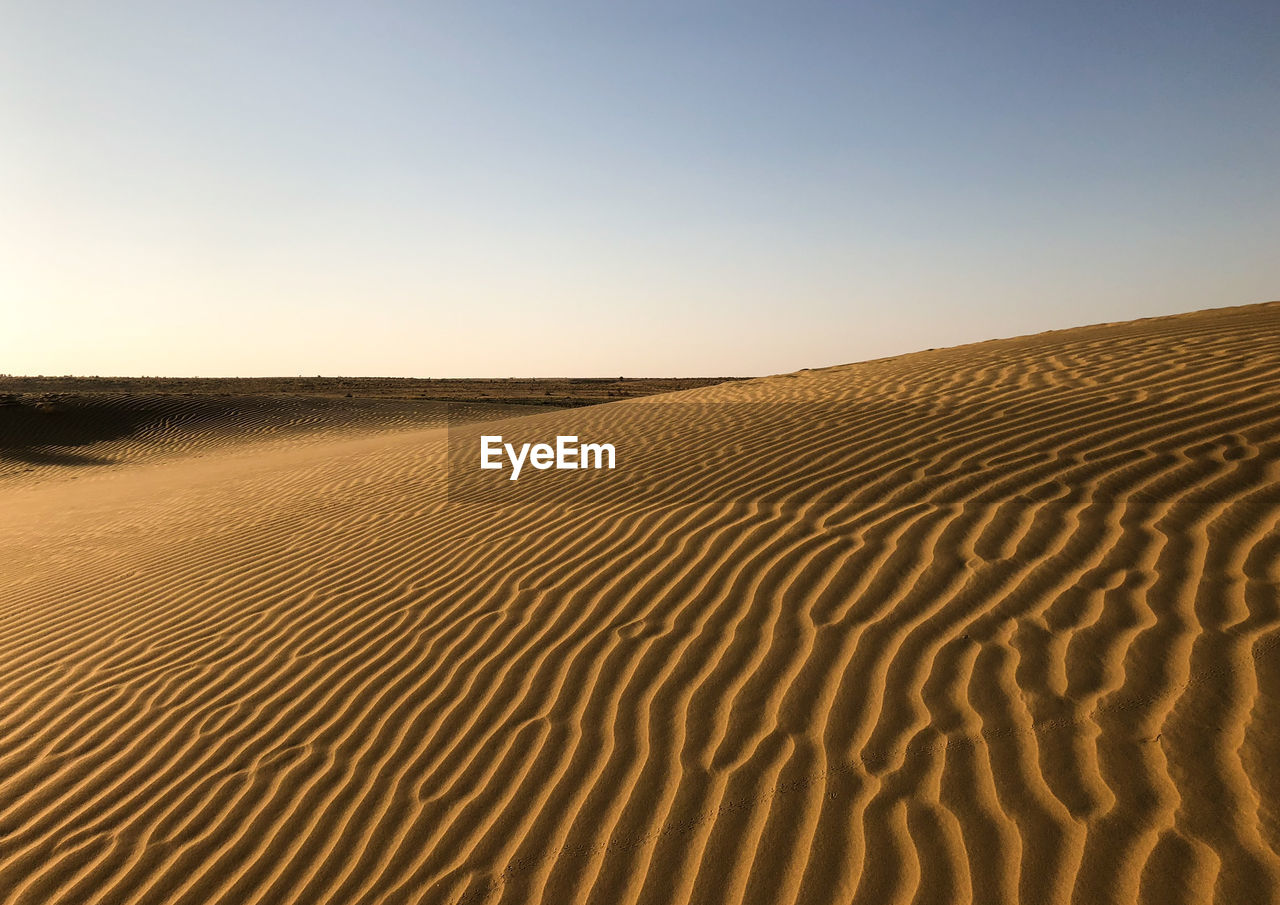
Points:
[(557, 391)]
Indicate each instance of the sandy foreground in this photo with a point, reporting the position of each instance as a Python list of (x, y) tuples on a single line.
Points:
[(998, 623)]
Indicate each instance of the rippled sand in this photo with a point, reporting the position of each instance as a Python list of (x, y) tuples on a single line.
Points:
[(989, 624)]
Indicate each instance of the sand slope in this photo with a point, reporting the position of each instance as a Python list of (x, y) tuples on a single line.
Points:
[(990, 624), (41, 435)]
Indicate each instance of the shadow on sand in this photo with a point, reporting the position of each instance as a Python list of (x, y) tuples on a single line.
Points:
[(48, 433)]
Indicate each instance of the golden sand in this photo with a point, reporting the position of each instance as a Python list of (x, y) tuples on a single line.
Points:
[(997, 623)]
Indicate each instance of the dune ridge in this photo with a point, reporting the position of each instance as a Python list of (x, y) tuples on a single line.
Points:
[(988, 624)]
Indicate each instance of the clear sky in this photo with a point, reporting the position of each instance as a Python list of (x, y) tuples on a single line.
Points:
[(599, 188)]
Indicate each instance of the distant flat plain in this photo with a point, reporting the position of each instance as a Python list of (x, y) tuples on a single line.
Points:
[(557, 391)]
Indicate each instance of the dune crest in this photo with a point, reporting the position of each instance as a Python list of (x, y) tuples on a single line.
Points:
[(997, 623)]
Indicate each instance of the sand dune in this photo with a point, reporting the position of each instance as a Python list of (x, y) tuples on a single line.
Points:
[(996, 623), (45, 433)]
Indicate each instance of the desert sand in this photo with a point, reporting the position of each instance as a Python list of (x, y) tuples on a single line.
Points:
[(997, 623)]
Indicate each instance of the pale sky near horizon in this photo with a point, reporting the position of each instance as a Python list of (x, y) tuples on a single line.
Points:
[(676, 188)]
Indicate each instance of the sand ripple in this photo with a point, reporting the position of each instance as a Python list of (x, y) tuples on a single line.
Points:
[(989, 624)]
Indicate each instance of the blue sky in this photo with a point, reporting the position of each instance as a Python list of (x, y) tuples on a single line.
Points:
[(481, 189)]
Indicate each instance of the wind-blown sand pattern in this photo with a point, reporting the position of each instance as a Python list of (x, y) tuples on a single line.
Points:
[(46, 433), (989, 624)]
